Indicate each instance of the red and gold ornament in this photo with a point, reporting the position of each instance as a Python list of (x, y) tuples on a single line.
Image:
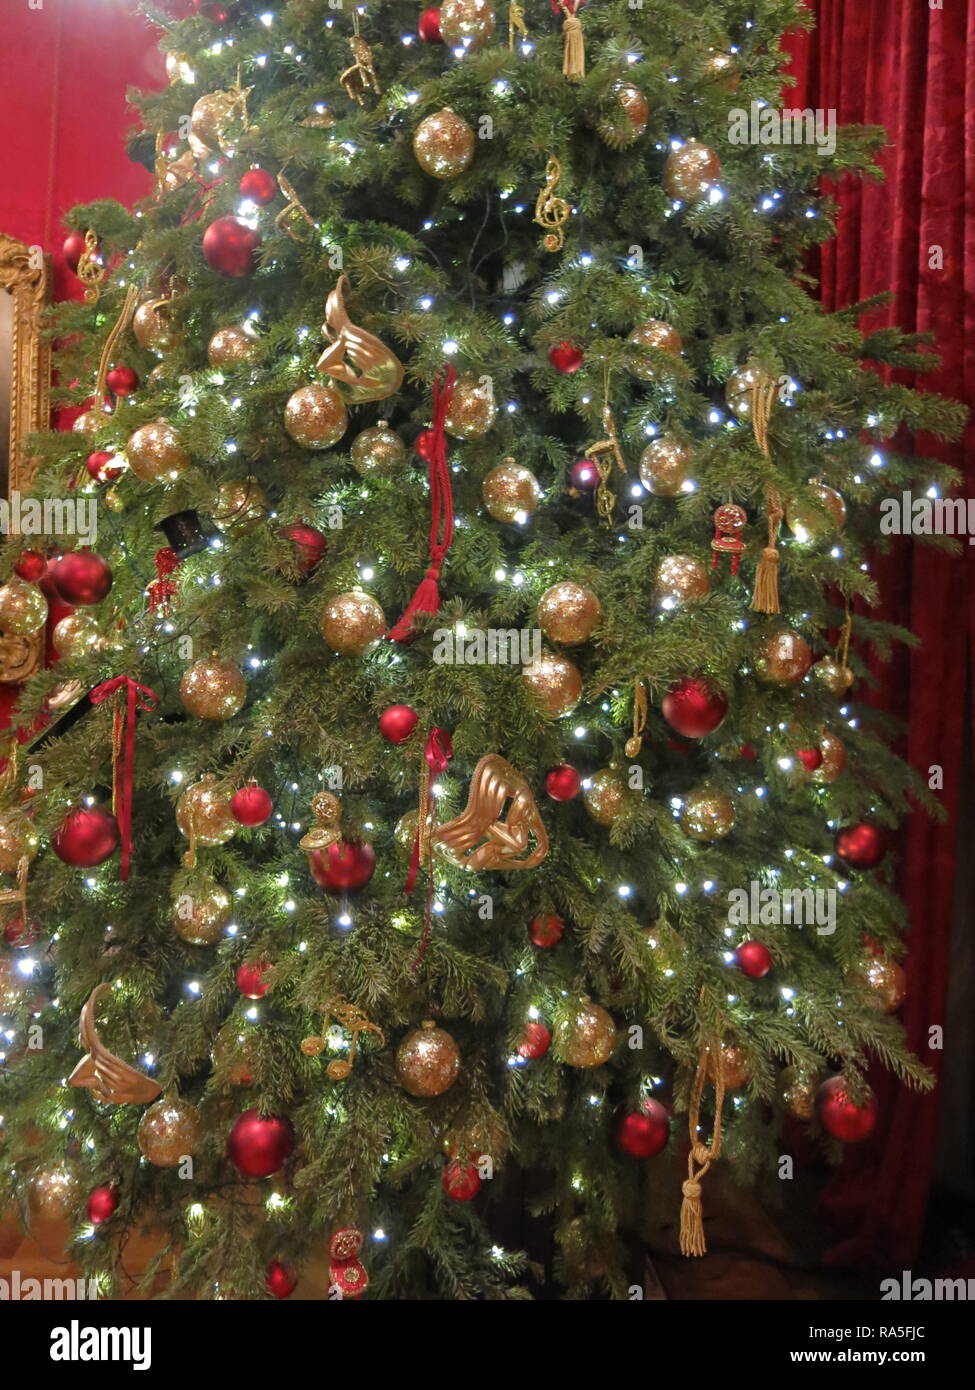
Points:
[(729, 522), (344, 867), (347, 1275), (258, 1145), (104, 466)]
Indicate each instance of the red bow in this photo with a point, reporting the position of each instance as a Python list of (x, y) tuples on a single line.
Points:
[(123, 728), (438, 752)]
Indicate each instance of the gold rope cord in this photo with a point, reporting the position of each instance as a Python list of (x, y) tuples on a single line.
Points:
[(766, 596)]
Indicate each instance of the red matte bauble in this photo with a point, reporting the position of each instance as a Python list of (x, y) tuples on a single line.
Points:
[(461, 1181), (81, 578), (566, 358), (811, 758), (251, 805), (694, 708), (258, 186), (102, 1204), (546, 929), (397, 722), (104, 466), (753, 959), (840, 1118), (230, 247), (280, 1279), (250, 979), (311, 544), (31, 564), (429, 26), (86, 837), (862, 846), (344, 867), (643, 1133), (535, 1041), (73, 248), (563, 782), (258, 1145), (122, 381), (747, 750), (22, 932), (424, 443), (585, 475)]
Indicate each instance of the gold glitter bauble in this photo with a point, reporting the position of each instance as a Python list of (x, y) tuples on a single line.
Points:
[(835, 677), (23, 608), (658, 336), (205, 808), (707, 814), (621, 127), (153, 328), (427, 1061), (834, 758), (315, 416), (13, 985), (232, 347), (799, 1092), (722, 70), (739, 386), (820, 512), (210, 117), (155, 454), (234, 1055), (18, 840), (89, 422), (886, 981), (76, 635), (733, 1066), (606, 796), (467, 24), (472, 409), (213, 688), (240, 504), (200, 914), (691, 172), (782, 658), (443, 145), (681, 579), (405, 832), (168, 1132), (352, 623), (377, 450), (554, 683), (54, 1192), (510, 492), (568, 613), (585, 1037), (664, 467)]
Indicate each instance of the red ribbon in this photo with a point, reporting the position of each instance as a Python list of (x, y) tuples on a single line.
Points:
[(426, 599), (438, 752), (137, 697)]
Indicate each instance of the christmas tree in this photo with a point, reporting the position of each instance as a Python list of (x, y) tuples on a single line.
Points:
[(451, 770)]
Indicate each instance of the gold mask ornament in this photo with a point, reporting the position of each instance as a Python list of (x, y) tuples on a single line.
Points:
[(362, 367), (500, 822), (107, 1077)]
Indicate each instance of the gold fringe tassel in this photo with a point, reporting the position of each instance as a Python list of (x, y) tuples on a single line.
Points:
[(574, 53), (701, 1156), (765, 599)]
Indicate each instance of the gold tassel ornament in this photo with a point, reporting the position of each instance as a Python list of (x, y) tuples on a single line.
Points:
[(766, 596), (709, 1063), (574, 52)]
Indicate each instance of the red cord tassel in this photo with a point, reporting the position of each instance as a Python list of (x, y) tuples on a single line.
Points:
[(136, 697)]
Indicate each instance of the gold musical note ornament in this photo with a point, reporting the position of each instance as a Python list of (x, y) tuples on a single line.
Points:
[(362, 367), (107, 1077), (551, 212), (501, 827), (354, 1021)]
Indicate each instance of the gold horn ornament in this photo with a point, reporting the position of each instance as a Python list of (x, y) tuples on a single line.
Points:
[(363, 367), (499, 824), (107, 1077)]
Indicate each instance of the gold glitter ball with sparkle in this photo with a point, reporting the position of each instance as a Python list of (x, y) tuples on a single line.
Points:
[(90, 422), (235, 1056), (554, 683), (834, 758), (23, 608), (740, 385), (444, 145), (76, 635), (691, 172), (377, 450), (54, 1192), (201, 913), (233, 347), (665, 466), (18, 840), (657, 336), (733, 1066), (352, 623), (240, 504), (155, 453), (427, 1061), (722, 69), (467, 24), (799, 1092), (152, 326), (568, 613), (885, 980), (210, 117), (510, 492), (835, 677), (204, 808), (627, 123), (680, 579), (213, 688), (472, 409), (782, 658), (168, 1132), (707, 814), (605, 796), (818, 513), (315, 416), (586, 1036)]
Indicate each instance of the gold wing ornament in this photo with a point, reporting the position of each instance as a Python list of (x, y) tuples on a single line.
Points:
[(107, 1077), (501, 827), (362, 366)]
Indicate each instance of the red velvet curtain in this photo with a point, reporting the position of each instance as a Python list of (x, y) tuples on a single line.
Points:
[(899, 64)]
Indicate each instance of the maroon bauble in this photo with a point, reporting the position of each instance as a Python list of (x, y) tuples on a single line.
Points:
[(22, 932), (344, 867), (251, 805), (585, 475), (429, 26), (747, 750), (461, 1181), (643, 1133), (81, 578), (72, 249), (535, 1041), (546, 929), (397, 723), (250, 979), (563, 782), (566, 357), (258, 186), (694, 708), (280, 1279), (86, 837), (258, 1145), (104, 466), (31, 565), (753, 959), (123, 381), (811, 758), (424, 443), (102, 1203), (840, 1118), (311, 544), (230, 247), (862, 846)]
